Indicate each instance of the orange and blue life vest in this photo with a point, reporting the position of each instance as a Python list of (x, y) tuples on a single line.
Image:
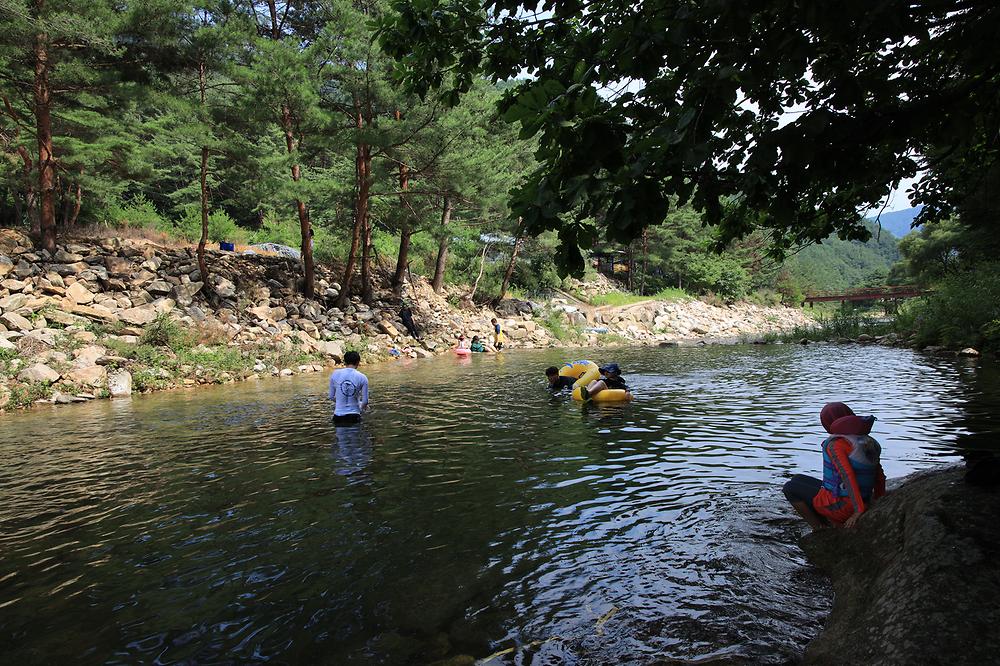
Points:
[(850, 477)]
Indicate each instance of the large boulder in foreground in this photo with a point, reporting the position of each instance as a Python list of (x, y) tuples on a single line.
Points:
[(917, 580)]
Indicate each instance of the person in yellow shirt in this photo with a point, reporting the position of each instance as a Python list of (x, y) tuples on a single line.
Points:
[(497, 335)]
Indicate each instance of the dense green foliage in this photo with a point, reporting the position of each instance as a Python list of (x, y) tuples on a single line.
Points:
[(254, 121), (957, 262), (788, 117)]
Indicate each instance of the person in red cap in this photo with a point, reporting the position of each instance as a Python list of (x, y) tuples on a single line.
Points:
[(852, 472)]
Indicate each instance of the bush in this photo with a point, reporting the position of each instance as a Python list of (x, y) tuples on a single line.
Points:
[(221, 227), (561, 330), (723, 276), (137, 212), (165, 332), (962, 311)]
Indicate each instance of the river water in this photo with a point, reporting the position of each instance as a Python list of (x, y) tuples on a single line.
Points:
[(472, 514)]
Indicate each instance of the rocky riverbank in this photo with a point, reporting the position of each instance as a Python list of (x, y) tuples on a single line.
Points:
[(916, 581), (107, 317)]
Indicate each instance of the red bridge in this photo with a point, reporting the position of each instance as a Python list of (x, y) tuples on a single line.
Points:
[(890, 293)]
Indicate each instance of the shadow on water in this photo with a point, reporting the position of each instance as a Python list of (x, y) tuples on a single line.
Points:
[(472, 512)]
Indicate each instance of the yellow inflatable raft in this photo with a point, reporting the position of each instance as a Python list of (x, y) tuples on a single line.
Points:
[(586, 372)]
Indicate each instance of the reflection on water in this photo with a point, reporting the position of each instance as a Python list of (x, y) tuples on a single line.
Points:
[(472, 512)]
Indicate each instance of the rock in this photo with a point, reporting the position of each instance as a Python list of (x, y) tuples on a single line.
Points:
[(112, 360), (388, 329), (330, 348), (969, 351), (11, 284), (80, 294), (286, 372), (65, 318), (45, 336), (117, 265), (225, 288), (24, 269), (6, 265), (91, 312), (93, 375), (140, 316), (12, 239), (40, 373), (64, 257), (159, 287), (916, 580), (864, 337), (69, 269), (184, 293), (15, 322), (4, 396), (88, 356), (120, 383), (261, 312), (13, 302), (7, 345)]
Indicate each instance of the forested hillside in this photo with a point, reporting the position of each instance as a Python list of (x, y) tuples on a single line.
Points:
[(837, 264)]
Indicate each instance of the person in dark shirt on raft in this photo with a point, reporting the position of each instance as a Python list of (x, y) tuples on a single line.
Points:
[(477, 344), (852, 472), (558, 382), (611, 378)]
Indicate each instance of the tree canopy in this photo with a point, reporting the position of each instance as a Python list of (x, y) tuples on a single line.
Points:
[(790, 117)]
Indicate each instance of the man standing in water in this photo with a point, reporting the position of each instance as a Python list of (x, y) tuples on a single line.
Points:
[(350, 390)]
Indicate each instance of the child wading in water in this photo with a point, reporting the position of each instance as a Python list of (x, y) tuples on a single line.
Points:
[(497, 335), (852, 472)]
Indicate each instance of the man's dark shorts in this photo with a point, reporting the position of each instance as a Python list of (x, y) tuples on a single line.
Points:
[(802, 488), (346, 419)]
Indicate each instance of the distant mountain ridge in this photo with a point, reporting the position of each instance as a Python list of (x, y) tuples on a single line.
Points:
[(898, 222)]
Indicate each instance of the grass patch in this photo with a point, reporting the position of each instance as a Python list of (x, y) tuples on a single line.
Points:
[(26, 394), (618, 299), (555, 322), (623, 298), (220, 359), (849, 326), (671, 294), (141, 354)]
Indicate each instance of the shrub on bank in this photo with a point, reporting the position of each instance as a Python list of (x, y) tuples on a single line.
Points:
[(841, 324), (962, 311)]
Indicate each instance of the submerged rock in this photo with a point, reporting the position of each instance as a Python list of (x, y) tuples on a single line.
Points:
[(917, 580)]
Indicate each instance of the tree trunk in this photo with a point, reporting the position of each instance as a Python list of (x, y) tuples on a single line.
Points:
[(401, 260), (366, 260), (361, 162), (64, 200), (203, 181), (77, 203), (645, 261), (507, 274), (288, 126), (404, 233), (442, 257), (305, 228), (482, 267), (43, 128)]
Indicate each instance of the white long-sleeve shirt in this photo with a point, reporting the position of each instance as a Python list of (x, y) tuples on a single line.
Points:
[(350, 389)]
